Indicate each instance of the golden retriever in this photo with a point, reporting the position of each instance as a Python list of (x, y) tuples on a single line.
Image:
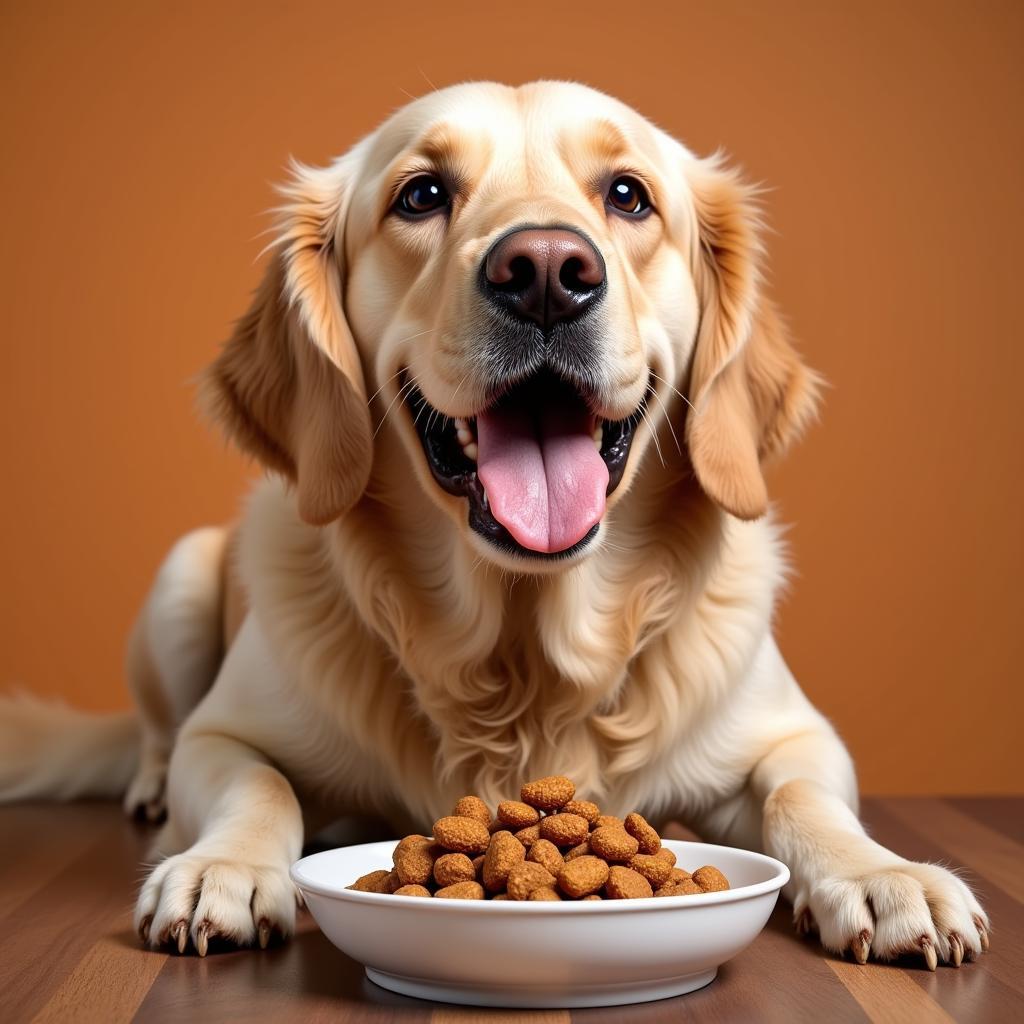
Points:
[(515, 376)]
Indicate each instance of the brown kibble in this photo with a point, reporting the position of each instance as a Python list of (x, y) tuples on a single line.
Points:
[(452, 868), (710, 879), (528, 836), (549, 793), (547, 846), (613, 843), (414, 859), (527, 876), (654, 869), (578, 851), (407, 843), (564, 829), (583, 876), (463, 835), (412, 890), (626, 884), (545, 892), (545, 852), (687, 887), (371, 882), (461, 891), (503, 854), (584, 808), (514, 814), (473, 807), (648, 838)]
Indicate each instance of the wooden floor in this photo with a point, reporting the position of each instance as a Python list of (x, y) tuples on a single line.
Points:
[(68, 953)]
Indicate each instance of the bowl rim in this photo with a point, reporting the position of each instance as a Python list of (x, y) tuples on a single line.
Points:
[(641, 904)]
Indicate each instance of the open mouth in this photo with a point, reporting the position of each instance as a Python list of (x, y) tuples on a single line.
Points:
[(537, 465)]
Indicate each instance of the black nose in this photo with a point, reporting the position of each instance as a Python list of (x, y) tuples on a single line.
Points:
[(546, 275)]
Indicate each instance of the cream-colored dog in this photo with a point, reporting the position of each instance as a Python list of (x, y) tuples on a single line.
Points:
[(515, 377)]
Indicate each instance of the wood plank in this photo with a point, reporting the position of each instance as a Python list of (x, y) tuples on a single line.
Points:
[(994, 980), (998, 812), (67, 877), (777, 980), (40, 841), (108, 984), (887, 995), (482, 1015), (42, 943), (304, 981), (989, 853)]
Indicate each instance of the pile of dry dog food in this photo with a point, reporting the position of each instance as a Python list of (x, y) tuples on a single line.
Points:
[(543, 846)]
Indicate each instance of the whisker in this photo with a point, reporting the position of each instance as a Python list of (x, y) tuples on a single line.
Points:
[(419, 413), (406, 386), (424, 74), (668, 420), (459, 386), (669, 384), (654, 436), (415, 359)]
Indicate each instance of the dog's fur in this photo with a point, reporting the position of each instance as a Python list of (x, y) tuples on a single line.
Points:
[(390, 658)]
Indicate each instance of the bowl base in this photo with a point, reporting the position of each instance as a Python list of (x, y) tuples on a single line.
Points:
[(546, 997)]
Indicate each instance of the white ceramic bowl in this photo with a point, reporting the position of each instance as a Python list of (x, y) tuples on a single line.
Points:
[(526, 954)]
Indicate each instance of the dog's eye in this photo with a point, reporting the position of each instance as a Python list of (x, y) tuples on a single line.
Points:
[(424, 194), (627, 195)]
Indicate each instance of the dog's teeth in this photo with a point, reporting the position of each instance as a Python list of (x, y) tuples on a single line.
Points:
[(486, 503), (470, 450), (461, 424), (463, 434), (599, 435)]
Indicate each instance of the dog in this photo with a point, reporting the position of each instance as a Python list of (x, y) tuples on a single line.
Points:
[(514, 376)]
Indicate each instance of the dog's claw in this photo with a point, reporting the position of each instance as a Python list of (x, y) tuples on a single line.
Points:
[(931, 958), (203, 938), (804, 923), (982, 933), (861, 946), (264, 933), (956, 949), (180, 934), (144, 927)]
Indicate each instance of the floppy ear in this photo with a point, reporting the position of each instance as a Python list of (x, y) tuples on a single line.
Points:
[(751, 394), (288, 386)]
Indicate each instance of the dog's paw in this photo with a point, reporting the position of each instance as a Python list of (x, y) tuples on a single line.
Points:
[(145, 798), (201, 898), (893, 910)]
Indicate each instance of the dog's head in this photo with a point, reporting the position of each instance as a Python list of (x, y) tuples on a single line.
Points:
[(525, 283)]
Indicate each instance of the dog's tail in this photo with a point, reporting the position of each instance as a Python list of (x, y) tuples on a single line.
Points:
[(50, 751)]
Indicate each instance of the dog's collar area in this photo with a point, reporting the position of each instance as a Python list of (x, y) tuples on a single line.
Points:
[(450, 448)]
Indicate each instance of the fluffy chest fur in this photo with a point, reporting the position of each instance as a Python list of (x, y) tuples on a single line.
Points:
[(419, 675)]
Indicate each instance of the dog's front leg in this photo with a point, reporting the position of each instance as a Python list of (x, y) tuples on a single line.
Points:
[(858, 895), (232, 882), (235, 812)]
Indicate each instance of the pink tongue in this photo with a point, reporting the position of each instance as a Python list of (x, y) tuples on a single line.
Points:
[(545, 479)]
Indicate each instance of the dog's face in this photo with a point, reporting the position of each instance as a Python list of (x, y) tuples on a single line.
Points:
[(521, 281)]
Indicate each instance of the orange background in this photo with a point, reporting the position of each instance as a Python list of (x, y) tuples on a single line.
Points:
[(140, 142)]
